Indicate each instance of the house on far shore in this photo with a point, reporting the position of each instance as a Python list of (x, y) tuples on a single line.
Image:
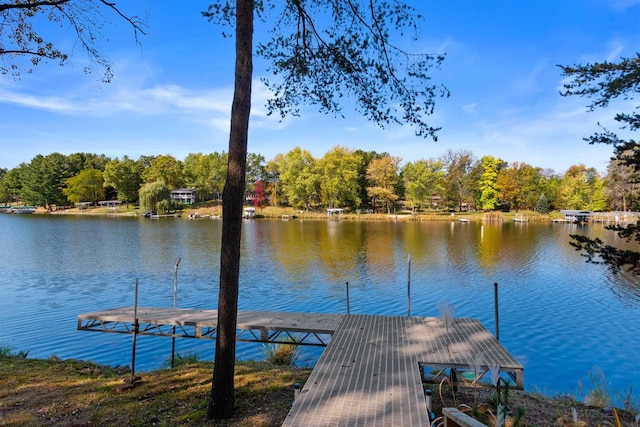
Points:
[(186, 196)]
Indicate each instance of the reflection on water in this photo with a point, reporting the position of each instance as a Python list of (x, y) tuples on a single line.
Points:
[(559, 316)]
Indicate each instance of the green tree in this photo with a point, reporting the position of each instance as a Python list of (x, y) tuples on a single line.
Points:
[(164, 168), (11, 183), (363, 182), (7, 193), (43, 180), (549, 185), (488, 182), (383, 175), (255, 170), (603, 82), (125, 177), (599, 197), (273, 170), (422, 180), (87, 186), (154, 196), (543, 205), (219, 172), (300, 179), (353, 55), (205, 173), (81, 161), (458, 166), (577, 187), (339, 183)]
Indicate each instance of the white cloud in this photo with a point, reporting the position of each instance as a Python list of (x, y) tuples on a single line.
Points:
[(471, 108), (211, 105), (623, 5)]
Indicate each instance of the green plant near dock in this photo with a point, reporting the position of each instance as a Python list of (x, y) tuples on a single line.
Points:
[(282, 354), (6, 352), (182, 358)]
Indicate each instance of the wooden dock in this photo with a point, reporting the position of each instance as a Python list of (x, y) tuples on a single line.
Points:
[(371, 372)]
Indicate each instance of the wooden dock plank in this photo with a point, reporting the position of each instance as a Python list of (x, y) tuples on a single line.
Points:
[(364, 378)]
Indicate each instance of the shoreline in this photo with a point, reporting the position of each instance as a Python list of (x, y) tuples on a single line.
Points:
[(215, 212)]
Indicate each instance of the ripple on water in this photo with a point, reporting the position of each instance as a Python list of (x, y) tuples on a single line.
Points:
[(558, 315)]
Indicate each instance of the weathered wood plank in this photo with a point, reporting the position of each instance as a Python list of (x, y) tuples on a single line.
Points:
[(366, 377)]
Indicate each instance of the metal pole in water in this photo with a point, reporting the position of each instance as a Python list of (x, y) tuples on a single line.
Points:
[(135, 334), (348, 304), (175, 305), (495, 299), (409, 286)]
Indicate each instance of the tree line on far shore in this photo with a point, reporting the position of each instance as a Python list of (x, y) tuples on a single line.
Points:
[(345, 178)]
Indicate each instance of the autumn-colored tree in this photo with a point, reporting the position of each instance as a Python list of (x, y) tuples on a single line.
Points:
[(383, 178), (165, 168), (259, 194), (519, 185)]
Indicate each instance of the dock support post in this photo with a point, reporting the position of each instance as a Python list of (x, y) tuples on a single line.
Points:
[(175, 305), (495, 299), (135, 334), (409, 286), (348, 304)]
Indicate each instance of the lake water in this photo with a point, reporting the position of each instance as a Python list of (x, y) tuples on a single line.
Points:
[(559, 316)]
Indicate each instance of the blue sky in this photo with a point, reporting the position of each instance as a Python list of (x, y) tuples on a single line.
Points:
[(172, 93)]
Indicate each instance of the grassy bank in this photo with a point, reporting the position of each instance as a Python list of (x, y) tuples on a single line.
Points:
[(74, 393)]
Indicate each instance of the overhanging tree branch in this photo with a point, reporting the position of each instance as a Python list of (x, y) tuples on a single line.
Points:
[(20, 39), (604, 82)]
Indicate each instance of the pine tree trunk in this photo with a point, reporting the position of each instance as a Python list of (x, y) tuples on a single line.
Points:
[(221, 405)]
